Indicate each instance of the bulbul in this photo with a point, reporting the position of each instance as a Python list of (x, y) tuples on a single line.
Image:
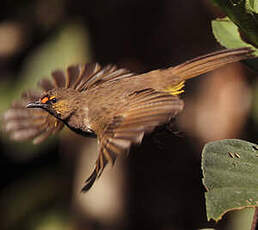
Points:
[(116, 105)]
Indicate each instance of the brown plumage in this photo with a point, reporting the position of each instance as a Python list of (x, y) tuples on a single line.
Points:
[(115, 104)]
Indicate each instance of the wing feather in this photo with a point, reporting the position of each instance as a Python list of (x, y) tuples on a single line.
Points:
[(25, 124), (45, 84), (72, 75), (94, 74), (83, 77), (146, 110), (59, 79), (30, 124)]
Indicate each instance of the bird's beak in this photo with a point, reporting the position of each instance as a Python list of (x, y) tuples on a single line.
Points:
[(36, 104)]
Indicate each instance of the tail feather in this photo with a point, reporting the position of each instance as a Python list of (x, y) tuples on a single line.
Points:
[(209, 62)]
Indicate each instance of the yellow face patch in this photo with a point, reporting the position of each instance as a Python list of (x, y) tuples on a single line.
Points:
[(52, 97)]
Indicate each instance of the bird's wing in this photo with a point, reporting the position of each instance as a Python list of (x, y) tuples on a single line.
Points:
[(83, 77), (31, 124), (25, 124), (146, 109)]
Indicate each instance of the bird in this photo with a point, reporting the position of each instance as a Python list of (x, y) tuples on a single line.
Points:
[(117, 106)]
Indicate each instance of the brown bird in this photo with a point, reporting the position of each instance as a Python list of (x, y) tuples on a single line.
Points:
[(115, 104)]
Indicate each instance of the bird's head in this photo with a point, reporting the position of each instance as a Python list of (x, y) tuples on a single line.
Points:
[(61, 103)]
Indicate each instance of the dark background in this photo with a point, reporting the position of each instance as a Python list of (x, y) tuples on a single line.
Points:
[(163, 175)]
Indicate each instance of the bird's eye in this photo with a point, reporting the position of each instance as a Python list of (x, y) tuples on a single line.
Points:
[(53, 100)]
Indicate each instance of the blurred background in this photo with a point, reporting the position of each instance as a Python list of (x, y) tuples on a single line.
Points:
[(158, 186)]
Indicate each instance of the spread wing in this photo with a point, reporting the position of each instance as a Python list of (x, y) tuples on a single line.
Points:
[(30, 124), (146, 110), (25, 124), (83, 77)]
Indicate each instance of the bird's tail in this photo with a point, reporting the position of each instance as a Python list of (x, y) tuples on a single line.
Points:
[(209, 62), (173, 78)]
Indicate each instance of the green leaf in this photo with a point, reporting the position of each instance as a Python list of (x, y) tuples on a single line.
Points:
[(252, 5), (241, 219), (227, 34), (243, 14), (230, 169)]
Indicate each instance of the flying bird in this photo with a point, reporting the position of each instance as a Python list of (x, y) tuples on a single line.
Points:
[(116, 105)]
